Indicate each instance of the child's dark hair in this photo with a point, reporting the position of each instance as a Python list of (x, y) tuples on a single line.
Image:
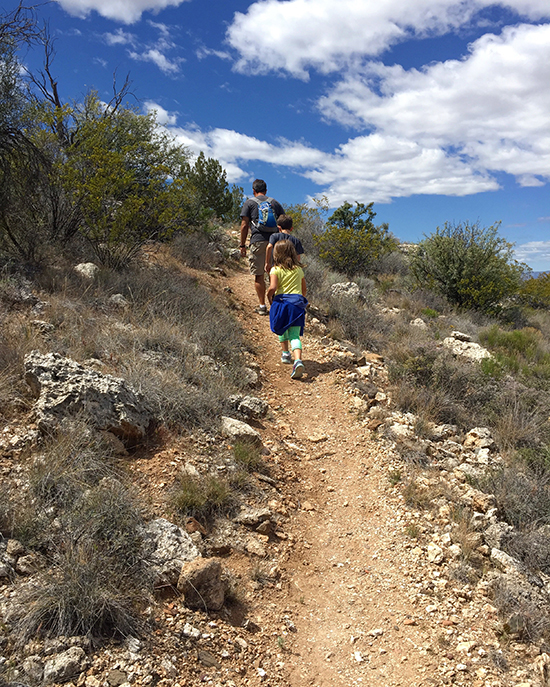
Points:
[(284, 255), (284, 222)]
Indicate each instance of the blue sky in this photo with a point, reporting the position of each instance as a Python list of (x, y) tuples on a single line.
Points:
[(436, 110)]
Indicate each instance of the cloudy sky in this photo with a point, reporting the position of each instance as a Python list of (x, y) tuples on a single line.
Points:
[(436, 110)]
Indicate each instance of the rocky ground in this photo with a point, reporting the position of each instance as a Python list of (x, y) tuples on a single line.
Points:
[(353, 564)]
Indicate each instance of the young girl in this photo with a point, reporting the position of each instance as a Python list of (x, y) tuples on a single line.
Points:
[(286, 295)]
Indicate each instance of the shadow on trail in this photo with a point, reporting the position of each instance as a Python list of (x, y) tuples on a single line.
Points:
[(314, 368)]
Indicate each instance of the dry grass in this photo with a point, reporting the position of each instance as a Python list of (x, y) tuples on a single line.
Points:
[(202, 496), (523, 617), (248, 455), (83, 593)]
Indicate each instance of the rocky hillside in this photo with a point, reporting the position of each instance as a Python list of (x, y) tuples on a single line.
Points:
[(176, 511)]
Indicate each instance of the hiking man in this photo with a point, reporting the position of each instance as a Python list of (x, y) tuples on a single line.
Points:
[(259, 215)]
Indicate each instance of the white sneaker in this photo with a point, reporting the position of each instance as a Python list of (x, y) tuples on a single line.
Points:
[(298, 370), (286, 358)]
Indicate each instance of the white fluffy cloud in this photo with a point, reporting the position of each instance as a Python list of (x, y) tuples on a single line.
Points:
[(533, 252), (126, 11), (163, 116), (328, 35), (157, 57), (489, 110)]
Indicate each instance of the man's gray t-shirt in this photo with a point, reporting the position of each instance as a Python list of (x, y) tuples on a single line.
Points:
[(250, 210)]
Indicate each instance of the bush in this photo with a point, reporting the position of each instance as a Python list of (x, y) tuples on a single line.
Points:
[(536, 291), (351, 243), (470, 265), (202, 496), (359, 322), (519, 351), (522, 495), (72, 461), (248, 455), (83, 593)]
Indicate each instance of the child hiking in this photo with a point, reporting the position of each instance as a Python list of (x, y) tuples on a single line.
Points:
[(287, 297), (284, 233)]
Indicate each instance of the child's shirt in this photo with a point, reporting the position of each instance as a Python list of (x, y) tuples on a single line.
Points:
[(281, 236), (288, 281)]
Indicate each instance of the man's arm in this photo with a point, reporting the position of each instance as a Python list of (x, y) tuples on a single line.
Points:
[(268, 253), (245, 225)]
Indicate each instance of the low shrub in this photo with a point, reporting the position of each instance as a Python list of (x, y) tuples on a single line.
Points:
[(248, 455), (359, 323), (522, 495), (519, 351), (73, 460), (532, 548), (84, 592), (202, 496), (522, 616)]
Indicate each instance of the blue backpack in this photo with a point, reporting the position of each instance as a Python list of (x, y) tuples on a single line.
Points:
[(266, 217)]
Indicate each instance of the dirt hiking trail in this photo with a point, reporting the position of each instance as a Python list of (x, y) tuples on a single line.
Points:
[(351, 577)]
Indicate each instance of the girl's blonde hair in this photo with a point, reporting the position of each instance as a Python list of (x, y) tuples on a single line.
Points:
[(284, 255)]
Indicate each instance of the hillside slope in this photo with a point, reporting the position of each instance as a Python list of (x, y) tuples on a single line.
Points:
[(359, 581)]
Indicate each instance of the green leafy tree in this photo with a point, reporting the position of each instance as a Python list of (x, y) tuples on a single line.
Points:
[(214, 198), (472, 266), (28, 209), (351, 243), (124, 173)]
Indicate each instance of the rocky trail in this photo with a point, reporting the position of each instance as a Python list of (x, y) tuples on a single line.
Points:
[(364, 602)]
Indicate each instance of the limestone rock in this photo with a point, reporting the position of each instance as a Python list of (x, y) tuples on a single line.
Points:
[(66, 388), (467, 349), (347, 289), (167, 548), (236, 430), (202, 585), (252, 516), (419, 323), (88, 270), (249, 407), (65, 666)]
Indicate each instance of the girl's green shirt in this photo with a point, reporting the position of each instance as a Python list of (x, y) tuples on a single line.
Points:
[(288, 281)]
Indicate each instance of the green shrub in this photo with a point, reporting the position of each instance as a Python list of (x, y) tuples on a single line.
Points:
[(202, 496), (536, 291), (351, 243), (470, 265), (519, 351), (248, 455)]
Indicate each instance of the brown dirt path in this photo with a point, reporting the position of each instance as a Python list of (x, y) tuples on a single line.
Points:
[(350, 576)]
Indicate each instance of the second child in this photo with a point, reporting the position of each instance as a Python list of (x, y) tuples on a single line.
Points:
[(287, 297), (284, 233)]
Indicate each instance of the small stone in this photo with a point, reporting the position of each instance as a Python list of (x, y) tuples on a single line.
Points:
[(435, 553), (208, 660), (378, 632), (115, 678)]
